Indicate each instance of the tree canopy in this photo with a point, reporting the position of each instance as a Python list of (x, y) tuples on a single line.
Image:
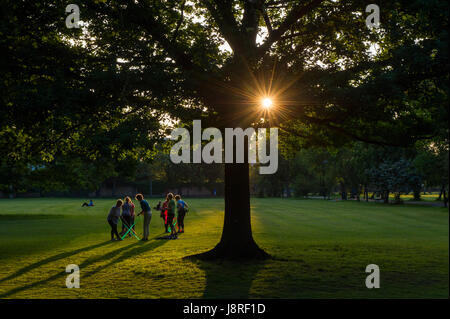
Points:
[(324, 68)]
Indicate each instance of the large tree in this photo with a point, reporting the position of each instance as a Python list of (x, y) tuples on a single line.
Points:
[(324, 68)]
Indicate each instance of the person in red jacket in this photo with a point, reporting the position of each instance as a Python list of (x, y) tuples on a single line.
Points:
[(164, 209), (132, 214)]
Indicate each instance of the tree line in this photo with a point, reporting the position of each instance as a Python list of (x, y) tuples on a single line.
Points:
[(359, 169), (356, 170)]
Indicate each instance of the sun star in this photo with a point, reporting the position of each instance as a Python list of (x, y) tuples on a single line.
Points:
[(266, 102)]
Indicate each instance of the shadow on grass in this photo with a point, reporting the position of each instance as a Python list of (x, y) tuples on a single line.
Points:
[(142, 247), (8, 217), (52, 259), (129, 251), (229, 279)]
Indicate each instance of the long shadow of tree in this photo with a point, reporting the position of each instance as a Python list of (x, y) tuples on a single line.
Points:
[(51, 259), (229, 279), (139, 248)]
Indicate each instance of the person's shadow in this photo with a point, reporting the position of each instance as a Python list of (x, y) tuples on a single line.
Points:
[(116, 256), (228, 279)]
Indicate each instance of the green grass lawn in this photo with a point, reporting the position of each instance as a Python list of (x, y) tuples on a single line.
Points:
[(320, 249)]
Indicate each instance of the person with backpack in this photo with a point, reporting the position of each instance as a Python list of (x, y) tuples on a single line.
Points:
[(182, 210)]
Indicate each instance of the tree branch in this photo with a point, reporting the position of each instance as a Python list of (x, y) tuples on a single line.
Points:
[(363, 138), (250, 20), (290, 36), (274, 3), (263, 11), (139, 14), (221, 11), (180, 21), (293, 16)]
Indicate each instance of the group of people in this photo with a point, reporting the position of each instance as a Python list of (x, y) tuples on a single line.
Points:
[(168, 208), (173, 211)]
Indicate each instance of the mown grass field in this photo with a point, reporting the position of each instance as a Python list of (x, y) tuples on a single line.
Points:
[(320, 250)]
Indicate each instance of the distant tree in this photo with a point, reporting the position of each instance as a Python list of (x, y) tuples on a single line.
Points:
[(274, 185), (314, 171), (397, 177), (432, 163)]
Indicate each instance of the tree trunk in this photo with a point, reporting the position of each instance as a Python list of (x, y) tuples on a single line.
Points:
[(445, 197), (343, 192), (237, 241), (12, 192), (150, 187), (386, 197), (416, 193), (440, 194), (114, 188), (397, 198)]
